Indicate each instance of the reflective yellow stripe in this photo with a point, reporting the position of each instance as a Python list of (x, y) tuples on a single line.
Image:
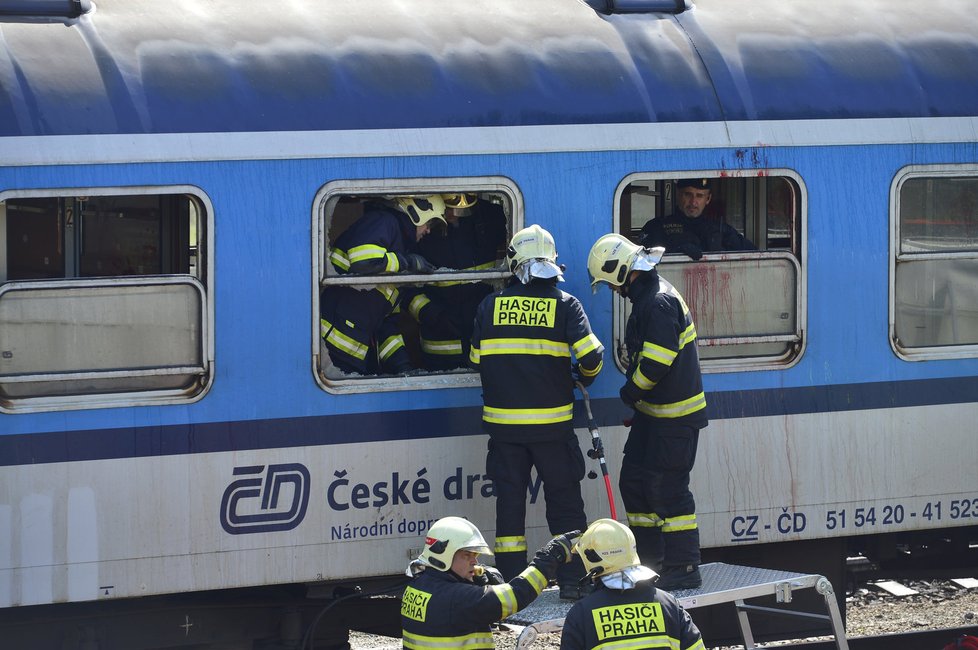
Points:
[(393, 266), (339, 259), (588, 344), (366, 252), (525, 346), (536, 578), (442, 347), (341, 341), (474, 641), (507, 598), (674, 410), (676, 524), (640, 380), (651, 641), (687, 337), (390, 345), (390, 293), (697, 646), (665, 356), (474, 355), (513, 544), (585, 372), (644, 519), (498, 415), (417, 304)]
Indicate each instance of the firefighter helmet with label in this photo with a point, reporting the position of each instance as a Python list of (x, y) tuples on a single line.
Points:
[(613, 257), (607, 546), (422, 209), (447, 536), (533, 254)]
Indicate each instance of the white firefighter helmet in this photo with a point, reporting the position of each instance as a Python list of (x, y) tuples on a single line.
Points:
[(613, 257), (465, 200), (533, 254), (607, 549), (422, 209), (447, 536)]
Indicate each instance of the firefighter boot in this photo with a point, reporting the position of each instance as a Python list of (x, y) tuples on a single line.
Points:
[(684, 576)]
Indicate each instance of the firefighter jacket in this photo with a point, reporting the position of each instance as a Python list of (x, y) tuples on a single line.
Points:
[(663, 378), (706, 233), (352, 320), (439, 610), (522, 344), (640, 617), (444, 310)]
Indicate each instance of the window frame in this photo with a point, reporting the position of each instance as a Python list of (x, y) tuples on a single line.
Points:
[(896, 257), (202, 283), (323, 276), (732, 364)]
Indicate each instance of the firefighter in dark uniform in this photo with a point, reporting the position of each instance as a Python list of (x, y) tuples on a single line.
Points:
[(474, 240), (665, 389), (687, 231), (452, 600), (626, 610), (359, 328), (522, 344)]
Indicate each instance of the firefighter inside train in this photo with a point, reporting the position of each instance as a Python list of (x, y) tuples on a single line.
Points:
[(359, 328), (452, 600), (523, 341), (473, 239)]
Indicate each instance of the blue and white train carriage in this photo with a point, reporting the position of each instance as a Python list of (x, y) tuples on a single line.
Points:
[(171, 177)]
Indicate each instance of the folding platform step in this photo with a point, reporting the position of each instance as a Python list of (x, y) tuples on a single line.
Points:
[(722, 583)]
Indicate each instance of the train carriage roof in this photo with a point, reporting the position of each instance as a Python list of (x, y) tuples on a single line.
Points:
[(155, 66)]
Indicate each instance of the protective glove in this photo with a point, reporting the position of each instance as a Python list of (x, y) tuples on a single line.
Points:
[(627, 397), (415, 263), (690, 249), (576, 375), (487, 575), (560, 547)]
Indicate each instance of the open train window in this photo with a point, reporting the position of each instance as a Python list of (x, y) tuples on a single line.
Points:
[(379, 323), (734, 251), (934, 262), (104, 298)]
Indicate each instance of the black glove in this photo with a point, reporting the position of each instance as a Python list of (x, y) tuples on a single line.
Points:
[(560, 547), (487, 575), (626, 397), (691, 249), (417, 264)]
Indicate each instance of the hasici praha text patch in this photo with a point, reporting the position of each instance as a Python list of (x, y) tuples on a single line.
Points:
[(628, 620), (522, 310)]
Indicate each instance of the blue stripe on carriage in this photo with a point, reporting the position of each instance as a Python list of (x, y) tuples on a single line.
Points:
[(209, 437)]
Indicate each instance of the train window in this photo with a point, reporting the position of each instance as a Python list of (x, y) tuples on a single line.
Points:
[(104, 298), (734, 251), (383, 320), (934, 296)]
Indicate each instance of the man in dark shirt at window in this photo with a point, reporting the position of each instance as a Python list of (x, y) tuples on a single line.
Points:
[(687, 231)]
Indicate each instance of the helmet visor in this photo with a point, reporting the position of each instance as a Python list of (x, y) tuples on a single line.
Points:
[(647, 259), (537, 268), (628, 577)]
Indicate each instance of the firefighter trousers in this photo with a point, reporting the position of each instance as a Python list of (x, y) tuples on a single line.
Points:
[(560, 467), (654, 486)]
